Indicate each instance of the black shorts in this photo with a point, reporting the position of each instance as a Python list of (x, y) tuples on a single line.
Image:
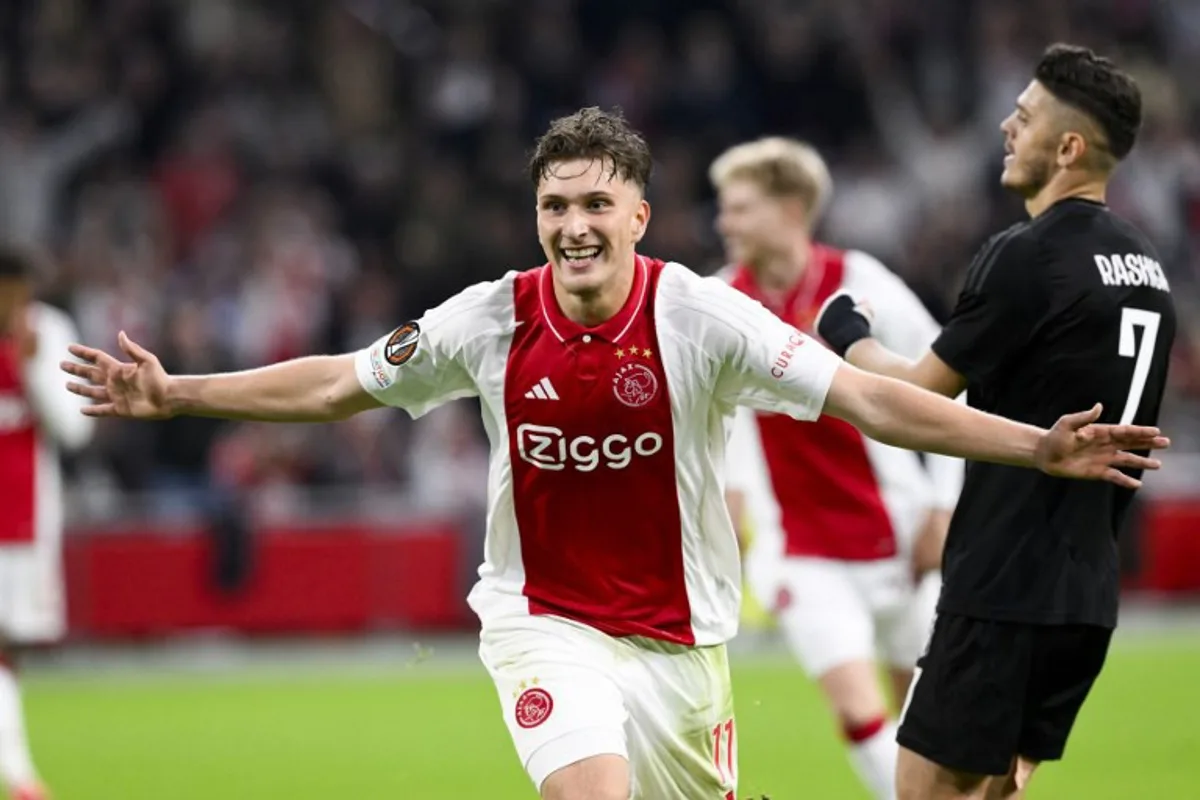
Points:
[(987, 691)]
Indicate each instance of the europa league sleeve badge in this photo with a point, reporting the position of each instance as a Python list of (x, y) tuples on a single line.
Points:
[(402, 344)]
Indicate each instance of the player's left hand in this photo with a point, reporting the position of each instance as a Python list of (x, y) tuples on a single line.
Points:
[(1077, 447)]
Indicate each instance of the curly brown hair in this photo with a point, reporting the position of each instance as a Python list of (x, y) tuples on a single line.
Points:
[(591, 133)]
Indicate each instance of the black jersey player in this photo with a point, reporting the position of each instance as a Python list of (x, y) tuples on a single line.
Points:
[(1058, 312)]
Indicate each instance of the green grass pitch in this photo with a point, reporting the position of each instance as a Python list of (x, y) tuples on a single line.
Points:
[(428, 732)]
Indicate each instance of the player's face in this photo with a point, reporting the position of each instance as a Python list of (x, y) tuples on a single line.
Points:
[(1031, 137), (589, 221), (754, 226)]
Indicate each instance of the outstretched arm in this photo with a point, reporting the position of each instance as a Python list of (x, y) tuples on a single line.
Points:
[(929, 372), (902, 415), (1004, 295), (417, 367), (312, 389)]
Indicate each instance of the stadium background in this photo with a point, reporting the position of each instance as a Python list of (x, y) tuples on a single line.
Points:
[(277, 611)]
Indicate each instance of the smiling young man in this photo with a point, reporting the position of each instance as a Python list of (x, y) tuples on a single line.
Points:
[(606, 379), (1069, 307)]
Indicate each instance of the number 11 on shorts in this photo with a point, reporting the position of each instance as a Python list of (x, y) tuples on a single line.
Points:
[(724, 756)]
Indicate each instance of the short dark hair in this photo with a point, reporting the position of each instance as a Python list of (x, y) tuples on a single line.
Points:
[(14, 265), (592, 133), (1093, 85)]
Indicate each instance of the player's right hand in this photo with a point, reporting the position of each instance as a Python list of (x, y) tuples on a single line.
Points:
[(136, 389), (1079, 447)]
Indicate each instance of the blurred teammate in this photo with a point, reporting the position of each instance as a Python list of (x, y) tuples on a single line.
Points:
[(610, 581), (848, 531), (1072, 304), (37, 416)]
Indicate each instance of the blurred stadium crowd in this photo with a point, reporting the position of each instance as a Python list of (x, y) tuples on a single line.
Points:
[(235, 182)]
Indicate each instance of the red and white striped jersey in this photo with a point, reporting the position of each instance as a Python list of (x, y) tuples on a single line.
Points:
[(606, 501), (37, 414), (825, 490)]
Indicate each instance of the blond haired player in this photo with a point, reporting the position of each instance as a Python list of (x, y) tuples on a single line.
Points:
[(606, 379), (848, 530)]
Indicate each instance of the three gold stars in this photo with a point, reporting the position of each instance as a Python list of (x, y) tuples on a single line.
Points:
[(523, 685), (633, 351)]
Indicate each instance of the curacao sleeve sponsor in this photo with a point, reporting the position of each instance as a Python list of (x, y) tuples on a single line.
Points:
[(762, 362), (776, 368)]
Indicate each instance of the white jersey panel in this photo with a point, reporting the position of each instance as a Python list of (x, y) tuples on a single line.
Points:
[(721, 348)]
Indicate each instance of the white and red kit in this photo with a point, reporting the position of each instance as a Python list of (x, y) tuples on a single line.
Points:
[(834, 513), (611, 575), (37, 417)]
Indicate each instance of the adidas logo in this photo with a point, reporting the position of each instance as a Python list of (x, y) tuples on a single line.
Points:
[(542, 390)]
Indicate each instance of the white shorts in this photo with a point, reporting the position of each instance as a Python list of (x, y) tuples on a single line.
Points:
[(834, 612), (32, 609), (570, 692)]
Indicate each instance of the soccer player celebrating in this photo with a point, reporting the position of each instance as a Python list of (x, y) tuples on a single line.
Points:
[(1069, 307), (37, 417), (848, 532), (610, 581)]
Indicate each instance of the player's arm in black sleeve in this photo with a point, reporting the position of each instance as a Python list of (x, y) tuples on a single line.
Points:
[(996, 310)]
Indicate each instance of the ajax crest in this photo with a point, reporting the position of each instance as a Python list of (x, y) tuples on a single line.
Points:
[(533, 707), (635, 385)]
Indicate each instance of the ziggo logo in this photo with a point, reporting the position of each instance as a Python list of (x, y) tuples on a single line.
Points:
[(549, 448)]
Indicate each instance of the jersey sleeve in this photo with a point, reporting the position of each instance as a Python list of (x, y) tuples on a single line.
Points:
[(997, 309), (59, 412), (425, 362), (766, 364)]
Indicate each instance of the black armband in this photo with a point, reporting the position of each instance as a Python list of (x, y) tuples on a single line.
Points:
[(841, 324)]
